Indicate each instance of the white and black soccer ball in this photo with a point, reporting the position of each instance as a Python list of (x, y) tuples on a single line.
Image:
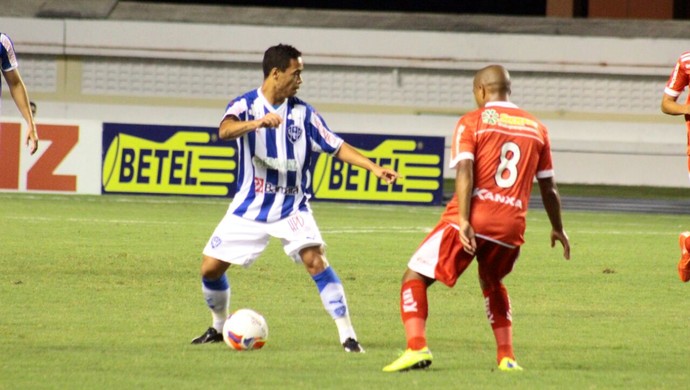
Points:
[(245, 330)]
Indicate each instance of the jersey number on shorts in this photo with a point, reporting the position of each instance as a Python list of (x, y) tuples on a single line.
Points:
[(507, 172)]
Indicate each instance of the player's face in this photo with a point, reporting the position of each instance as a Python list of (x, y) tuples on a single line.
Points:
[(290, 79)]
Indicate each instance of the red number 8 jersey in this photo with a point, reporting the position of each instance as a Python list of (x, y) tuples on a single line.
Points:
[(509, 148)]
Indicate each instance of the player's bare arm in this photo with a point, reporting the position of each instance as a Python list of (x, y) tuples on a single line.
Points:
[(464, 182), (350, 155), (552, 205), (21, 99), (670, 106), (232, 127)]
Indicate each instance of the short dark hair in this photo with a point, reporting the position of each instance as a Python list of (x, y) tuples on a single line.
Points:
[(279, 57)]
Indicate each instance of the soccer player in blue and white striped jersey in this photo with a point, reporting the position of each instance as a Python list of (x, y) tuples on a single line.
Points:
[(278, 136), (8, 61)]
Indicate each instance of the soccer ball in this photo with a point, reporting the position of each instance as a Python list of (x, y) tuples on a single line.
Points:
[(245, 330)]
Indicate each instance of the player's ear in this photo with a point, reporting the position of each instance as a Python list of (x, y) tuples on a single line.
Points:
[(479, 94)]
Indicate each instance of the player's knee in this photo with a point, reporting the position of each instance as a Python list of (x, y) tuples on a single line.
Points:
[(313, 259), (212, 269), (413, 275), (490, 285)]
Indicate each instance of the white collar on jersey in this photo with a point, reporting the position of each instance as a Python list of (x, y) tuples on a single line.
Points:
[(501, 104), (268, 104)]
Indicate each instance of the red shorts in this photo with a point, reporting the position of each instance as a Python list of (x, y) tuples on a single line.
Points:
[(441, 257)]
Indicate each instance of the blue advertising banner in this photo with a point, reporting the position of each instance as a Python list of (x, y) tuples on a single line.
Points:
[(171, 160), (417, 159), (178, 160)]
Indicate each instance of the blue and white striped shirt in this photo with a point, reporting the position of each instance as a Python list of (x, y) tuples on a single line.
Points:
[(273, 177), (8, 59)]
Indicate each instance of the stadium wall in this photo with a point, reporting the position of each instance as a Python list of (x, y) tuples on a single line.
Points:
[(599, 95)]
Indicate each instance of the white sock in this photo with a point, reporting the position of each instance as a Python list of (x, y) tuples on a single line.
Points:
[(218, 300), (345, 329), (333, 299)]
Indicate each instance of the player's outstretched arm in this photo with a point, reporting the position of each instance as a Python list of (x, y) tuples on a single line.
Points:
[(552, 205), (350, 155), (670, 106), (21, 99)]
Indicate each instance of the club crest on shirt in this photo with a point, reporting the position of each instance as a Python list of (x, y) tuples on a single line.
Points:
[(490, 116), (293, 133)]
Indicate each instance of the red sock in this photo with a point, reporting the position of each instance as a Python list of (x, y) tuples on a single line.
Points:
[(504, 342), (687, 243), (414, 311), (498, 312)]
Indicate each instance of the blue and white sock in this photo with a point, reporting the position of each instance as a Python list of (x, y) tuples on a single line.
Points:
[(333, 298), (217, 296)]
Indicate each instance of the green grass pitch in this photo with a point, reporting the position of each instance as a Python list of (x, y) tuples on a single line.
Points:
[(104, 293)]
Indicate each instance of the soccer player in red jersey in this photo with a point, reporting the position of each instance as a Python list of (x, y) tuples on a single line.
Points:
[(679, 79), (497, 150)]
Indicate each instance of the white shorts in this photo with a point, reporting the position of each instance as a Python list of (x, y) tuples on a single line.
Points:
[(240, 241)]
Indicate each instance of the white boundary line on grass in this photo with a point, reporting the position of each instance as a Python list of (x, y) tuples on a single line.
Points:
[(93, 220), (375, 230), (346, 230), (343, 230)]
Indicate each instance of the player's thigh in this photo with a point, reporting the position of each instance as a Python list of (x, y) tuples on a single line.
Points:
[(441, 256), (237, 240), (297, 232), (495, 261)]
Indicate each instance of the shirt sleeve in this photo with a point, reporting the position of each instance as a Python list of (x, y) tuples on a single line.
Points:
[(464, 141), (236, 108), (323, 140), (677, 81), (9, 58), (545, 164)]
